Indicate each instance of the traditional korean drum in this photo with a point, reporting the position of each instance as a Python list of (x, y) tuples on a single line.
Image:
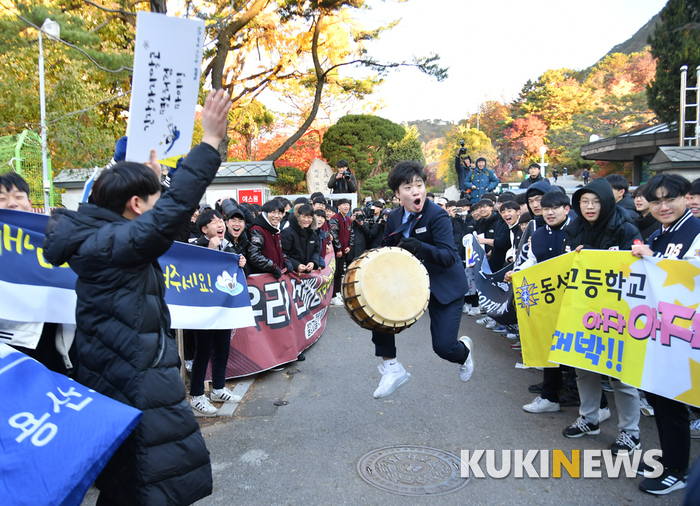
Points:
[(386, 289)]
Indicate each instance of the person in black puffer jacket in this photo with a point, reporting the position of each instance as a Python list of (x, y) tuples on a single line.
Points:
[(300, 240), (123, 345), (361, 231), (646, 223), (236, 241), (609, 230)]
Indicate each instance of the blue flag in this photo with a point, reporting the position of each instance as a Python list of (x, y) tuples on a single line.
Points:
[(56, 435)]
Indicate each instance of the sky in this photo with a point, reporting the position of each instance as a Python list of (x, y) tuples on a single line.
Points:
[(492, 47)]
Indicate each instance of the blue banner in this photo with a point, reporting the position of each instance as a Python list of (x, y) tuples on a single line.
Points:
[(205, 289), (56, 435)]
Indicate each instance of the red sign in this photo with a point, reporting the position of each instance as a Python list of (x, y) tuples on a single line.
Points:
[(250, 196)]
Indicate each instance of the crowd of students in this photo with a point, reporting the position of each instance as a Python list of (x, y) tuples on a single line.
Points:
[(660, 218)]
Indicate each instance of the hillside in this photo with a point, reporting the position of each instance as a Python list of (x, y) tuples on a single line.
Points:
[(639, 40)]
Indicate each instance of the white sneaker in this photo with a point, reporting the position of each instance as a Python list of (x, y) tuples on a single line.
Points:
[(466, 308), (492, 324), (467, 369), (483, 321), (540, 405), (475, 311), (224, 395), (603, 414), (645, 407), (393, 377), (337, 300), (511, 336), (202, 407)]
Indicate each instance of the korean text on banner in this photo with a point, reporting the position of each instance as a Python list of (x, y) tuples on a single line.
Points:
[(615, 314), (165, 85), (57, 434), (205, 289)]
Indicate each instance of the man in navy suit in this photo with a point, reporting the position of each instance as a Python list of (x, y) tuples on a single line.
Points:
[(424, 229)]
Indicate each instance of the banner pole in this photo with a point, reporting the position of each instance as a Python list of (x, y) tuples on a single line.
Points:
[(179, 338)]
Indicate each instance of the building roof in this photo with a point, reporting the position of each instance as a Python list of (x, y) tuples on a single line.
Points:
[(72, 178), (676, 157), (624, 147), (229, 172), (253, 172)]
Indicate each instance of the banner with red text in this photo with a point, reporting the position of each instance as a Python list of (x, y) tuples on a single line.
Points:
[(615, 314)]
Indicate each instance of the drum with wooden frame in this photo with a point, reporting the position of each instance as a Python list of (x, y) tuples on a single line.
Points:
[(386, 289)]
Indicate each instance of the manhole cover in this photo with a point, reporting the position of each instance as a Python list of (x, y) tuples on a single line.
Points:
[(412, 470)]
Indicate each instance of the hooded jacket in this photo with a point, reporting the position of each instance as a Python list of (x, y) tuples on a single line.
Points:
[(300, 245), (610, 231), (123, 344), (484, 179)]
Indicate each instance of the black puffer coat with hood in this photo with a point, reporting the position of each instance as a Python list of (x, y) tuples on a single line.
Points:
[(124, 346), (300, 245), (611, 230)]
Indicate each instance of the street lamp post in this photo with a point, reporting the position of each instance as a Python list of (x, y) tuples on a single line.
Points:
[(53, 31), (543, 165)]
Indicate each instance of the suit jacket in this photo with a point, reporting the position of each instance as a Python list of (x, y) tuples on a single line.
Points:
[(433, 228)]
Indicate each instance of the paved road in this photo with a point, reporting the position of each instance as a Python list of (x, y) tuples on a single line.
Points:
[(305, 452)]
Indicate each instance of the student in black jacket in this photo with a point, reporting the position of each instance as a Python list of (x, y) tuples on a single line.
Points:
[(124, 347), (211, 343), (646, 223), (237, 242), (361, 232), (547, 242), (300, 240), (486, 226), (600, 224)]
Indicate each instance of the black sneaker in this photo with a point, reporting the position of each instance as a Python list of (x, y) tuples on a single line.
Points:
[(625, 442), (581, 428), (664, 484), (535, 389), (569, 398)]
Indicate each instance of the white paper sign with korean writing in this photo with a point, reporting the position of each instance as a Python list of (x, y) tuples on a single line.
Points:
[(167, 67)]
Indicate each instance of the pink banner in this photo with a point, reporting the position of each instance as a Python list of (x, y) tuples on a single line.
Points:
[(290, 315)]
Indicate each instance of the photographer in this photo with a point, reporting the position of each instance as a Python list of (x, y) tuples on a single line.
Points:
[(344, 180), (360, 230), (377, 224), (463, 164)]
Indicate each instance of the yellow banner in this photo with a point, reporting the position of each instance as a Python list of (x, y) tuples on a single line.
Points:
[(615, 314)]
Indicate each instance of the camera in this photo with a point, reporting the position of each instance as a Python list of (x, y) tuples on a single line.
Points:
[(227, 207), (462, 149), (346, 174)]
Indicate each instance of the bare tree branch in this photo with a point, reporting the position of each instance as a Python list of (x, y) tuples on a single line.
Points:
[(118, 11), (92, 60)]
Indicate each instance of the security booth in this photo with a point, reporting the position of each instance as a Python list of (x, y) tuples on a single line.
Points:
[(637, 146), (683, 161)]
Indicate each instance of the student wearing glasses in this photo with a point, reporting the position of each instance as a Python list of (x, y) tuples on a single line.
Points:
[(679, 239)]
